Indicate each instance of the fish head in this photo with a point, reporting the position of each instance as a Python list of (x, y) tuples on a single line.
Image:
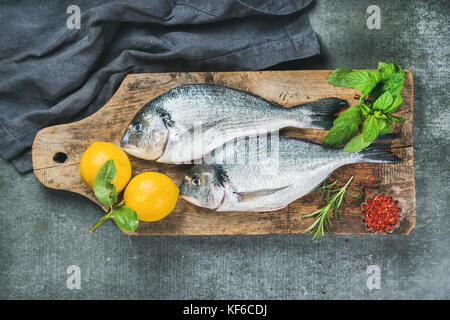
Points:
[(204, 186), (146, 136)]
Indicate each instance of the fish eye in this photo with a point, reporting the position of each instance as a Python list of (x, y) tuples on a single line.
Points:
[(137, 127), (196, 181)]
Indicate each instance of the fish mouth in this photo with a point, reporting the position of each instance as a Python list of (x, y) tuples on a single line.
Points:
[(153, 152), (134, 151), (125, 139), (140, 153), (193, 200)]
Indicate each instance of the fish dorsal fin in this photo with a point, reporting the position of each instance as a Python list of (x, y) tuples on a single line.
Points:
[(247, 196)]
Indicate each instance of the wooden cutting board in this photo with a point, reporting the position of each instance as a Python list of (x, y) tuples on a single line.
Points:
[(287, 88)]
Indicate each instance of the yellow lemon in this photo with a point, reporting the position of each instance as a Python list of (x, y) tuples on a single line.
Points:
[(152, 195), (96, 155)]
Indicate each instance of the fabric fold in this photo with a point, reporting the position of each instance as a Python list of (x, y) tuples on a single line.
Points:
[(50, 74)]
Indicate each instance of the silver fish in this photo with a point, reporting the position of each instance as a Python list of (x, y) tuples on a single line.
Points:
[(190, 121), (269, 183)]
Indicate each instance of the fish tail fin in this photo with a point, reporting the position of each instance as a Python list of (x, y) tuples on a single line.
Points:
[(378, 153), (319, 114)]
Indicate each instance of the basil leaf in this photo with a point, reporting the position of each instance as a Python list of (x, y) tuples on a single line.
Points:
[(351, 114), (399, 69), (386, 70), (385, 126), (381, 65), (104, 190), (379, 115), (392, 80), (365, 109), (337, 78), (340, 134), (356, 144), (363, 80), (394, 106), (381, 124), (345, 126), (394, 84), (370, 129), (126, 218), (383, 102), (395, 119)]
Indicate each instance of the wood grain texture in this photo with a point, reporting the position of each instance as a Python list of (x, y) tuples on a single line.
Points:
[(287, 88)]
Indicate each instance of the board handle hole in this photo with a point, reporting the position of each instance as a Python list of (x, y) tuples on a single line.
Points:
[(60, 157)]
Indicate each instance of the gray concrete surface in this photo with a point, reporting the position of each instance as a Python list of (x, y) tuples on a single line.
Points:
[(44, 231)]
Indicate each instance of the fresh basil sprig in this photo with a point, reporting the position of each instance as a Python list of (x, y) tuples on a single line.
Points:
[(380, 96), (125, 218)]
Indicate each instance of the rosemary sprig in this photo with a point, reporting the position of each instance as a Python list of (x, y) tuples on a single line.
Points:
[(323, 216)]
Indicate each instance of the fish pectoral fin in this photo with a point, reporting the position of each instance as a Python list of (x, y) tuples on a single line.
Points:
[(247, 196)]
